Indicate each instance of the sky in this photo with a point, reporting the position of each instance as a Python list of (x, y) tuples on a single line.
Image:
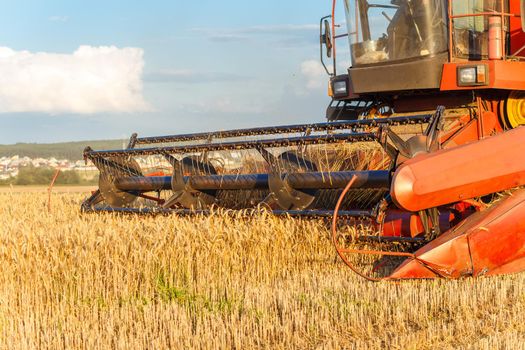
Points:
[(85, 70)]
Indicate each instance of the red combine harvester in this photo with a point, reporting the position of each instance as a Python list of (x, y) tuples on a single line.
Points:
[(419, 165)]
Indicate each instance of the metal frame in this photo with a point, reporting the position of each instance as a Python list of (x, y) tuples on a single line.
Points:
[(452, 17), (328, 136)]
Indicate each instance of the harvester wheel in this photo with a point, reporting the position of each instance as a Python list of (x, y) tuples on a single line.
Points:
[(513, 109)]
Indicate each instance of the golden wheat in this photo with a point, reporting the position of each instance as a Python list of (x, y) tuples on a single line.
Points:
[(72, 281)]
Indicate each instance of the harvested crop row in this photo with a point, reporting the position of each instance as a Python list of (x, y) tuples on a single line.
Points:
[(106, 281)]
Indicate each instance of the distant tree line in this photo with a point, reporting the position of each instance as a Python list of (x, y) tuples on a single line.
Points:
[(31, 175), (65, 150)]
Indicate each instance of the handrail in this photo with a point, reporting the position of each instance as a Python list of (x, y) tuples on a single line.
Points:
[(322, 43), (334, 40), (334, 44), (501, 13)]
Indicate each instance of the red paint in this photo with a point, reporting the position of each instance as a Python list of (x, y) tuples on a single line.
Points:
[(517, 36), (400, 223), (506, 75), (468, 171), (489, 242)]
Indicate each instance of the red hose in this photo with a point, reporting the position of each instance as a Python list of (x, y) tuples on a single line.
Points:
[(341, 252)]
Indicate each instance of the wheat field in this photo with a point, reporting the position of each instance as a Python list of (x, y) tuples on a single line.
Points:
[(85, 281)]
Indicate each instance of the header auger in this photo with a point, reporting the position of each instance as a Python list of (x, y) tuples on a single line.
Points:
[(420, 165)]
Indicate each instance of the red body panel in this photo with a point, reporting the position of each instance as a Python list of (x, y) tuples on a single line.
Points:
[(402, 224), (517, 36), (468, 171), (506, 75), (472, 130), (487, 243)]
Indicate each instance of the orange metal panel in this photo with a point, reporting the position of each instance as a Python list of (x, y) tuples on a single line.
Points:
[(490, 242), (447, 256), (411, 269), (506, 75), (452, 175), (514, 266), (498, 242), (471, 131), (517, 36), (400, 223)]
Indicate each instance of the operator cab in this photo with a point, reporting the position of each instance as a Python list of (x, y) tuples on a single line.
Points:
[(386, 32), (396, 45), (403, 47)]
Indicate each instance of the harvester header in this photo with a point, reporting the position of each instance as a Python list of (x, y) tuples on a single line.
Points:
[(419, 165)]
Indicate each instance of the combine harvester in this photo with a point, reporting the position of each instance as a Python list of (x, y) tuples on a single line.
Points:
[(419, 165)]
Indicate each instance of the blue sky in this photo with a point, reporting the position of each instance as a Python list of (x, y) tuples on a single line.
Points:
[(206, 65)]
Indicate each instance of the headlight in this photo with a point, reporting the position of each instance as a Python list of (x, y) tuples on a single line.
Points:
[(472, 75), (340, 88), (467, 76)]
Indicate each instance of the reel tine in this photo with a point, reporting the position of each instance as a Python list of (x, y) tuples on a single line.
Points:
[(93, 200), (172, 201), (400, 144), (172, 160)]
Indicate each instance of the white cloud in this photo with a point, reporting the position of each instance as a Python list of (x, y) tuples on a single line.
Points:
[(274, 29), (281, 28), (315, 74), (58, 18), (225, 104), (90, 80), (287, 34), (316, 77), (186, 76)]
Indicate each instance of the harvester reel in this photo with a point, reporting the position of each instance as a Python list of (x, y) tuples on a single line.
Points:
[(282, 193), (183, 193), (117, 167)]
